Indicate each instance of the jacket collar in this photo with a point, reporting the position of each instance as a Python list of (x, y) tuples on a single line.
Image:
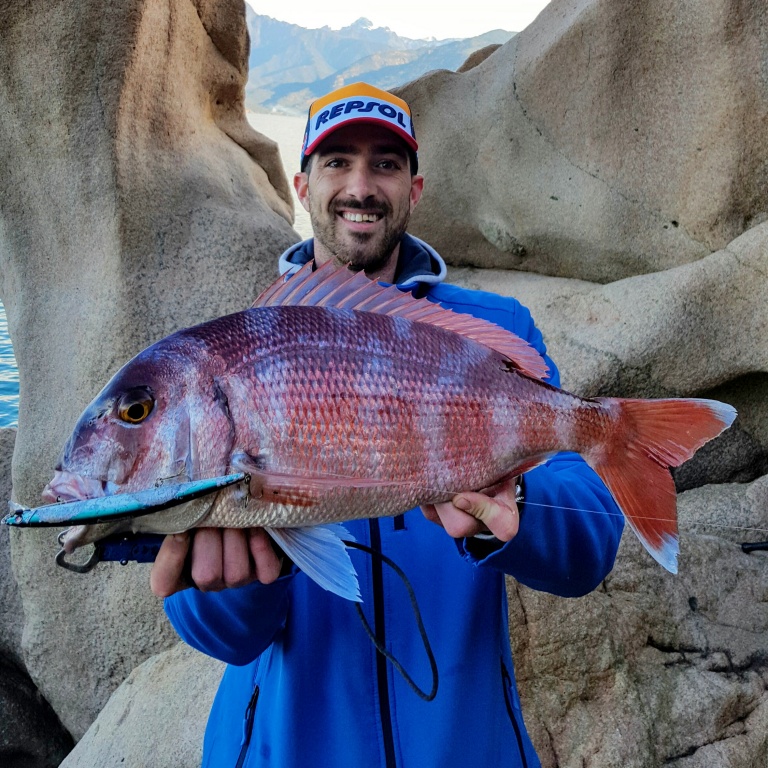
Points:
[(418, 264)]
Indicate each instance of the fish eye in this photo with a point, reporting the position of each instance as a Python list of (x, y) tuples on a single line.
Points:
[(135, 406)]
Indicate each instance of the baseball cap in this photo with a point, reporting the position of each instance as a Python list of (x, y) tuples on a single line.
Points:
[(358, 103)]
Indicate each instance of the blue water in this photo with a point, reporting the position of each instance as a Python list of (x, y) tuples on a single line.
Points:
[(9, 377)]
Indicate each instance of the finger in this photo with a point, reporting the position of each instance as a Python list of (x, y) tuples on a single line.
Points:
[(166, 576), (457, 523), (499, 513), (236, 558), (265, 559), (207, 553)]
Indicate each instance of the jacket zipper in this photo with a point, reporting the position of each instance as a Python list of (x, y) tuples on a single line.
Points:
[(250, 717), (507, 682), (385, 712), (250, 714)]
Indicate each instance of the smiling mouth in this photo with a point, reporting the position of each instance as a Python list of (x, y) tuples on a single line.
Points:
[(361, 217)]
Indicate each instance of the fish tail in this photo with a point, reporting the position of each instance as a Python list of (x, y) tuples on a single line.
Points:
[(645, 439)]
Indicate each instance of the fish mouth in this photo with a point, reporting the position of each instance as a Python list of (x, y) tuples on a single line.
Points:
[(68, 486)]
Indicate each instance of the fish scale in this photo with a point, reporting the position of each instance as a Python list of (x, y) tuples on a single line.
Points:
[(358, 406)]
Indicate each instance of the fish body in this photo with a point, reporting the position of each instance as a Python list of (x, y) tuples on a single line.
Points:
[(342, 400)]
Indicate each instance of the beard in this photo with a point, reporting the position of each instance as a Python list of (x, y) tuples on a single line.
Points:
[(368, 251)]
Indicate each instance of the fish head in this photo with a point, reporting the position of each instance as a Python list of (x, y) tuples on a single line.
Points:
[(157, 421)]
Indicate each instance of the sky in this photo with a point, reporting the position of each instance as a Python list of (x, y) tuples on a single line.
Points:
[(409, 18)]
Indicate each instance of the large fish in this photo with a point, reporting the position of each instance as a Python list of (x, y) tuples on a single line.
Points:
[(342, 399)]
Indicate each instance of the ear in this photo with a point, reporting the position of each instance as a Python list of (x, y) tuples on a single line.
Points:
[(417, 187), (301, 185)]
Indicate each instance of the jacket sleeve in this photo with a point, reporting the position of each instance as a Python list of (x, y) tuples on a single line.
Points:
[(570, 526), (234, 625)]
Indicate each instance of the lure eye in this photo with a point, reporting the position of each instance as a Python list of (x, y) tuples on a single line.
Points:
[(135, 406)]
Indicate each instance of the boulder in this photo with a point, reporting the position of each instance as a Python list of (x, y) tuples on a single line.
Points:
[(11, 609), (692, 330), (606, 140), (31, 735), (478, 57), (136, 199), (605, 168), (156, 717)]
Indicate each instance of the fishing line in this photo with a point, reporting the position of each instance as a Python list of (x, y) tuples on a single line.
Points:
[(648, 517), (419, 623)]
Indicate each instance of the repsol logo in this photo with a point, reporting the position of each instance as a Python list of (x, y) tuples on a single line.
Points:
[(360, 107)]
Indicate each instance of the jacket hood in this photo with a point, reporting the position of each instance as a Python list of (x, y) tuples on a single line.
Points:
[(418, 263)]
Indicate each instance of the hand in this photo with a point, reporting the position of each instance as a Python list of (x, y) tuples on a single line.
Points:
[(218, 558), (467, 514)]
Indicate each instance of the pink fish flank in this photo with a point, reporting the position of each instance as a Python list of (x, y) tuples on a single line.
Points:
[(344, 400)]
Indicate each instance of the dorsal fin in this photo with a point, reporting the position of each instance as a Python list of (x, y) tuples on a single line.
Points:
[(340, 287)]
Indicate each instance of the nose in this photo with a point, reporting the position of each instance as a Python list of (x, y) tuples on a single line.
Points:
[(360, 182)]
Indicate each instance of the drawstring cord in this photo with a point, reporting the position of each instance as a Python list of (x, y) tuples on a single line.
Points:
[(419, 623)]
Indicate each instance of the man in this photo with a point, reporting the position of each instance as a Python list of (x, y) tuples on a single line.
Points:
[(305, 686)]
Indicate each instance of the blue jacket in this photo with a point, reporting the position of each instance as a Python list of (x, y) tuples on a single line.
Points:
[(325, 697)]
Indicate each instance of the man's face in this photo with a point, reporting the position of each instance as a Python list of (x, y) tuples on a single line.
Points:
[(359, 193)]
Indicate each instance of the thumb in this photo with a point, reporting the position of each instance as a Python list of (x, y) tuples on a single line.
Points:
[(499, 516)]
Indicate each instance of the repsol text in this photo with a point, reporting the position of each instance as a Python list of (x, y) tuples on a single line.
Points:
[(360, 107)]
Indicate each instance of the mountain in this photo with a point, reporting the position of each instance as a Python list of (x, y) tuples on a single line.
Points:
[(290, 65)]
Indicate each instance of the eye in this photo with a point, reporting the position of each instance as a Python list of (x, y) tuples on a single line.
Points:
[(135, 406)]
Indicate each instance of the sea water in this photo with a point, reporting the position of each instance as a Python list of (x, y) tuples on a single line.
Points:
[(9, 377), (287, 131)]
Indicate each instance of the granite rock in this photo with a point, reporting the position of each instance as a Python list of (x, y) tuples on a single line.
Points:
[(607, 168), (156, 717), (31, 735), (692, 330), (11, 608), (606, 140), (654, 669), (136, 200)]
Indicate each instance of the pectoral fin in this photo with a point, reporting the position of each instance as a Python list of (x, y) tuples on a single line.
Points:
[(296, 488), (319, 551)]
